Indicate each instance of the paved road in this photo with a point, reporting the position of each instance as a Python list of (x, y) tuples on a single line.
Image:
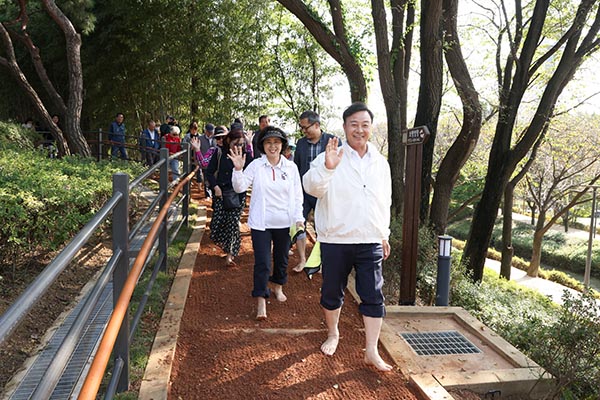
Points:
[(544, 286)]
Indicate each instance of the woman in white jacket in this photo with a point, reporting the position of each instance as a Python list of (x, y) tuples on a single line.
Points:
[(275, 204)]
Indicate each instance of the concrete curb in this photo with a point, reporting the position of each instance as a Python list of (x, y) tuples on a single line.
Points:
[(156, 381)]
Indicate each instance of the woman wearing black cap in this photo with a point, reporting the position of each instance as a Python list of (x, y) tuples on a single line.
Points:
[(275, 205)]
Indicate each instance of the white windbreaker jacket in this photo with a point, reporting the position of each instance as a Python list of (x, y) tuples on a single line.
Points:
[(353, 206), (256, 174)]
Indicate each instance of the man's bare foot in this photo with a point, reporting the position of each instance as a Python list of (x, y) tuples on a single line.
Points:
[(330, 345), (278, 290), (261, 314), (299, 267), (229, 260), (376, 361)]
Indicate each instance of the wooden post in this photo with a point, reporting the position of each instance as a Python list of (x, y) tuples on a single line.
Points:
[(413, 139)]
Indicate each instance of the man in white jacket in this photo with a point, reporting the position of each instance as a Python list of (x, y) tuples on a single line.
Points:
[(353, 188)]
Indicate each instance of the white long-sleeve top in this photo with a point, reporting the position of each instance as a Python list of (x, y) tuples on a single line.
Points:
[(354, 199), (276, 200)]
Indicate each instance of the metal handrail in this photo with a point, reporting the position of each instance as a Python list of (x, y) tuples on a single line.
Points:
[(118, 205), (96, 372), (13, 316)]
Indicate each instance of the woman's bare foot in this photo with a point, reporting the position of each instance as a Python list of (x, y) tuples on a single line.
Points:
[(229, 260), (375, 360), (330, 345), (278, 290), (298, 268), (261, 314)]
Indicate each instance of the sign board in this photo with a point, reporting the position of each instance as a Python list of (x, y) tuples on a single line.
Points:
[(415, 135)]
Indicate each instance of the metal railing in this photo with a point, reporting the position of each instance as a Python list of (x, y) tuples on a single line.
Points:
[(120, 327)]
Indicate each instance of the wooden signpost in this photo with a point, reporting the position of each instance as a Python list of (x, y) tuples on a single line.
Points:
[(413, 139)]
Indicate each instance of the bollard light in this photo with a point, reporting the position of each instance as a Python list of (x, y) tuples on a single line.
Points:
[(445, 245), (442, 290)]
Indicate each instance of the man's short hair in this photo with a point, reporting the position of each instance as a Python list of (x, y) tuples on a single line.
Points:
[(356, 107), (311, 116)]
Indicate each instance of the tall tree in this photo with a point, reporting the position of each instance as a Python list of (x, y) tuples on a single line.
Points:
[(566, 167), (300, 69), (577, 41), (393, 63), (71, 140), (462, 147), (430, 90), (507, 250)]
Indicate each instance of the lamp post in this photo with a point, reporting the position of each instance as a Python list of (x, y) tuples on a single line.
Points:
[(588, 260), (442, 290)]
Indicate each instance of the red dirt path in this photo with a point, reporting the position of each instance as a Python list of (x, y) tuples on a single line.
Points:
[(224, 353)]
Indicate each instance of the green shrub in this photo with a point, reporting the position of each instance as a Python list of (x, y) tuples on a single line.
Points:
[(426, 261), (14, 137), (569, 347), (44, 202), (565, 340)]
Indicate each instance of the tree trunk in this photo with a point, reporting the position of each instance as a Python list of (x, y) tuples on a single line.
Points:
[(503, 160), (484, 217), (194, 104), (74, 134), (392, 64), (463, 146), (11, 63), (430, 91), (536, 250), (507, 248)]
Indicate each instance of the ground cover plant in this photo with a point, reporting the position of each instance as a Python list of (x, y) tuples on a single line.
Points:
[(46, 201), (558, 251)]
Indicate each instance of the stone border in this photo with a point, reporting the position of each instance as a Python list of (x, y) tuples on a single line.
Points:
[(524, 378), (156, 381)]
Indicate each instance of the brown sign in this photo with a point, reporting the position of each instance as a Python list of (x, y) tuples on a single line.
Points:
[(415, 135)]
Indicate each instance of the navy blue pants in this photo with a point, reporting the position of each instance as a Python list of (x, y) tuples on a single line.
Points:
[(338, 261), (261, 244), (118, 147)]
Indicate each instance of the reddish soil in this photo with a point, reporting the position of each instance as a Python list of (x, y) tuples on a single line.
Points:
[(224, 353)]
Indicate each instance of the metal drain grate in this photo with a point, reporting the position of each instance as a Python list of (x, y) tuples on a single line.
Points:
[(439, 343)]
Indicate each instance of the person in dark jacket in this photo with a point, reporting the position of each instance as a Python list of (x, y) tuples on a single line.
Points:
[(116, 134), (307, 149), (225, 223), (150, 142)]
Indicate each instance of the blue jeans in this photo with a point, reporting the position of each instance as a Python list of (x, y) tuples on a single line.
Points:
[(174, 166)]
